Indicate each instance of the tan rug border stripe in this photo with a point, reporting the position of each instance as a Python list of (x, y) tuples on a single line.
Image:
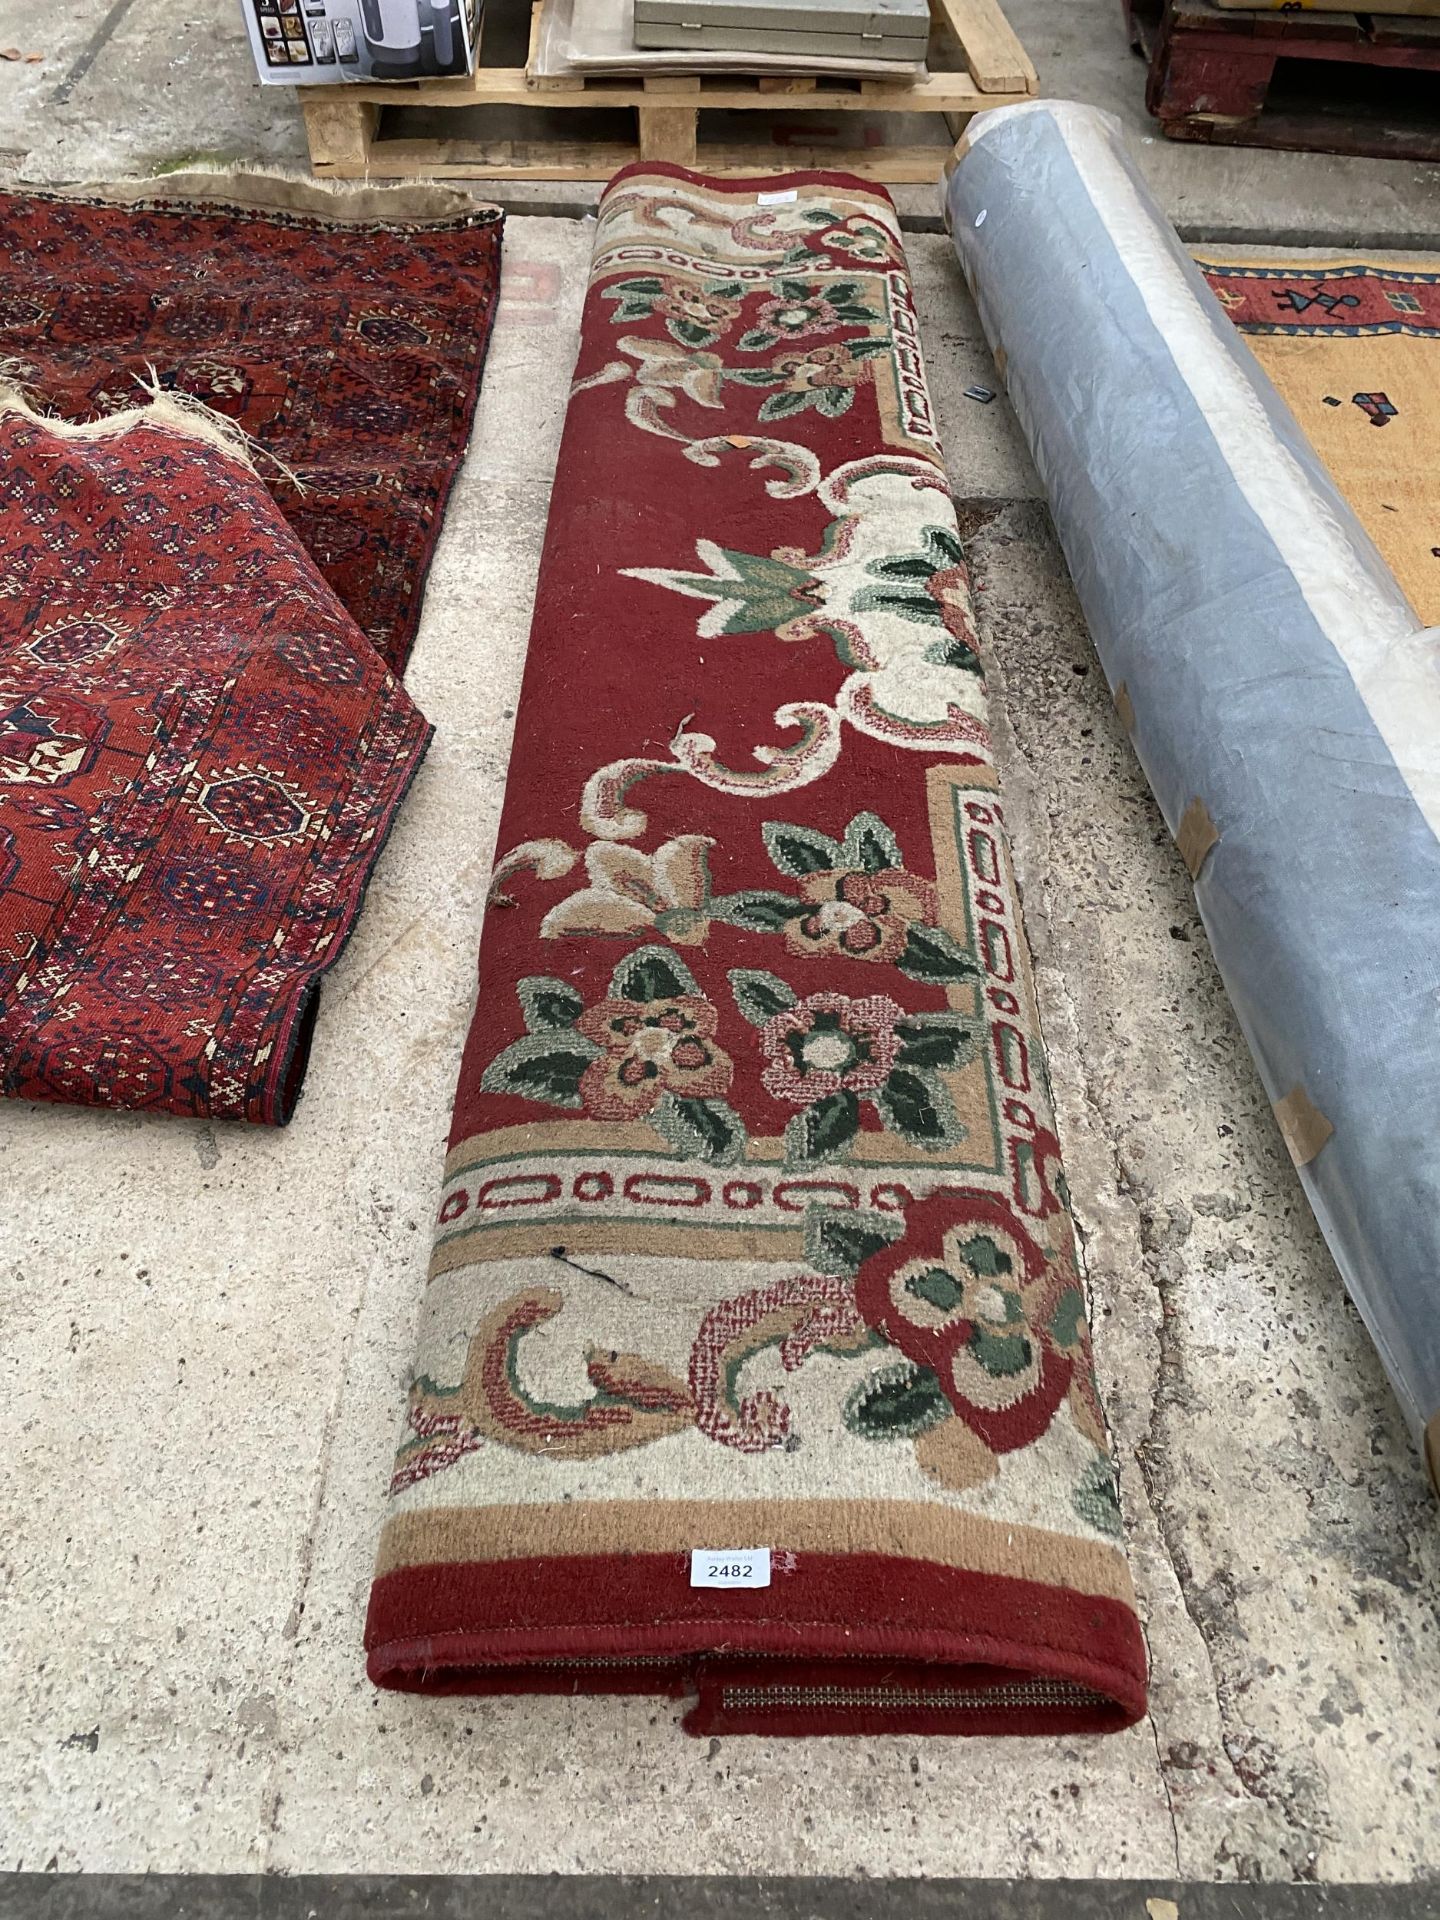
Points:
[(903, 1529), (534, 1139), (483, 1246)]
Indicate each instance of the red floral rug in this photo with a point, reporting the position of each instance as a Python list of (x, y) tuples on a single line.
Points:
[(349, 340), (200, 757), (754, 1361)]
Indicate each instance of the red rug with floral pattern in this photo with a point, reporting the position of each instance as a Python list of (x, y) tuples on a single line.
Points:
[(347, 338), (200, 757), (754, 1362)]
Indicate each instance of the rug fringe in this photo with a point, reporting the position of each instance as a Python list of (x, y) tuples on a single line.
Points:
[(175, 412), (259, 189)]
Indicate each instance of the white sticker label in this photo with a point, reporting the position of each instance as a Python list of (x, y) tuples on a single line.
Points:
[(980, 217), (781, 198), (730, 1567)]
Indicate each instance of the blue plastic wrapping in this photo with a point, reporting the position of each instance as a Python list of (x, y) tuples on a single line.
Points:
[(1282, 695)]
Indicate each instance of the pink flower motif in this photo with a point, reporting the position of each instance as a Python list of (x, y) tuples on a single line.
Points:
[(829, 1043), (814, 314)]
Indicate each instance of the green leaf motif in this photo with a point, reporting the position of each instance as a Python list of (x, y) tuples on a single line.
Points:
[(945, 545), (1002, 1355), (756, 594), (1097, 1499), (801, 850), (821, 1131), (833, 401), (870, 845), (760, 996), (757, 912), (549, 1004), (779, 406), (634, 299), (906, 602), (904, 566), (652, 973), (690, 334), (896, 1403), (754, 376), (901, 578), (757, 340), (982, 1256), (952, 651), (1067, 1323), (837, 1242), (547, 1067), (937, 1041), (931, 954), (708, 1130), (918, 1108)]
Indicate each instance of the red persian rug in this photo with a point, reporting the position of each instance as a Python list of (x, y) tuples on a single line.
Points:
[(345, 333), (200, 757), (754, 1362)]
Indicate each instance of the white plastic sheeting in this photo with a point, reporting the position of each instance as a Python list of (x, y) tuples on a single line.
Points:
[(1281, 693)]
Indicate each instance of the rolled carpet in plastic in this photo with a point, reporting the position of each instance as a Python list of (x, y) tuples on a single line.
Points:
[(1281, 692), (753, 1243)]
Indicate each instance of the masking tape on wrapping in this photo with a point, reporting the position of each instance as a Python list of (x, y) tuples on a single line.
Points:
[(1125, 707), (1197, 835), (1303, 1127)]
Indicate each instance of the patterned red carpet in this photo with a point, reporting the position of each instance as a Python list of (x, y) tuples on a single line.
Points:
[(350, 349), (753, 1234), (200, 756), (201, 751)]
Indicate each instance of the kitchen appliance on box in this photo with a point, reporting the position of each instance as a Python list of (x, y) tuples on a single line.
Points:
[(302, 42)]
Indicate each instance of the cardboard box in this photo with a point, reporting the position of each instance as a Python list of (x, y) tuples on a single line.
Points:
[(848, 29), (299, 43)]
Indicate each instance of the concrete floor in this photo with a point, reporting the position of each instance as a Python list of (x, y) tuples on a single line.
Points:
[(207, 1330)]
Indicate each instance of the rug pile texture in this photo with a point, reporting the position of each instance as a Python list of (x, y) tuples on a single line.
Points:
[(753, 1233)]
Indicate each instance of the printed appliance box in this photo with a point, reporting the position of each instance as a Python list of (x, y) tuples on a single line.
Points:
[(300, 42)]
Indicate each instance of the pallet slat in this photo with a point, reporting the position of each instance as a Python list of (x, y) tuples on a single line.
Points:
[(993, 53), (1213, 72), (991, 69)]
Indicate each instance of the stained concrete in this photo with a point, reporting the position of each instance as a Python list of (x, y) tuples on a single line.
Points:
[(207, 1329)]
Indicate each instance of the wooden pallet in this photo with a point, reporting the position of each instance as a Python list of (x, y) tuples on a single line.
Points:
[(1427, 9), (1309, 80), (976, 61)]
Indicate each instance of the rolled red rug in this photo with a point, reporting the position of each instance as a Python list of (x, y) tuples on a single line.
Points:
[(754, 1362)]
